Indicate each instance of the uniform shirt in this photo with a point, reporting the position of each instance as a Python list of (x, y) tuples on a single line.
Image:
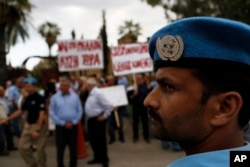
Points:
[(33, 104), (97, 104), (247, 132), (65, 108), (219, 158)]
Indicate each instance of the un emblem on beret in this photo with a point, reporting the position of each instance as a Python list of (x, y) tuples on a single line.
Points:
[(170, 47)]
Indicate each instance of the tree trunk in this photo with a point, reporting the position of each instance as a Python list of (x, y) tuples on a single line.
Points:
[(3, 67)]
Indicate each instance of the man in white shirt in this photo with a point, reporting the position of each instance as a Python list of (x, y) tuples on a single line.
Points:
[(97, 109), (6, 128)]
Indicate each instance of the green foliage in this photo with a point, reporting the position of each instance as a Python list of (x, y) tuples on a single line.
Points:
[(43, 64), (14, 16), (232, 9), (49, 31), (153, 3), (130, 28)]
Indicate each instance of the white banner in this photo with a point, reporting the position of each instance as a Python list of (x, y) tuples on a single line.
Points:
[(116, 95), (131, 58), (79, 55)]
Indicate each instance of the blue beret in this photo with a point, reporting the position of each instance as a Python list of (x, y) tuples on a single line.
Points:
[(201, 40), (30, 80)]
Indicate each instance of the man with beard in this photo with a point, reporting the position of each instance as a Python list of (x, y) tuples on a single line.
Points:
[(202, 97)]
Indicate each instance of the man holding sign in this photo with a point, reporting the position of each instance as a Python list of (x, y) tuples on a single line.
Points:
[(115, 120), (97, 109)]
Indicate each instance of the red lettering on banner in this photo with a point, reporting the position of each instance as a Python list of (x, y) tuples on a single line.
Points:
[(88, 45), (68, 62), (90, 59), (142, 63), (126, 50), (122, 66), (62, 46), (71, 45)]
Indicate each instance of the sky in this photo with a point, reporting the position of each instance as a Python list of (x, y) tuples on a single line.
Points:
[(85, 17)]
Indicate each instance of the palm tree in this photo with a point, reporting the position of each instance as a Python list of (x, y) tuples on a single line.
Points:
[(13, 23), (130, 29), (49, 31)]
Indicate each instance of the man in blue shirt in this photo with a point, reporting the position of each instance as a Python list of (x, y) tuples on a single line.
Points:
[(66, 111), (13, 96), (122, 80), (203, 93)]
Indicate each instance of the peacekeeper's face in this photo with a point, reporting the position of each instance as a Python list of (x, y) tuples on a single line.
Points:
[(176, 111), (30, 88)]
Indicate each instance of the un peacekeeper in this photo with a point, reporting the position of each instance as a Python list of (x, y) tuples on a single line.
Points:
[(34, 131), (202, 100)]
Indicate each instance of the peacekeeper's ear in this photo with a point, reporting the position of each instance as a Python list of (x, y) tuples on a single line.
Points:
[(230, 104)]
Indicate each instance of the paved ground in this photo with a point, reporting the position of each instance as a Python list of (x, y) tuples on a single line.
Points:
[(128, 154)]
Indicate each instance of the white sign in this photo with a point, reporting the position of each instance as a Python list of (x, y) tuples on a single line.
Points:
[(131, 58), (80, 54), (116, 95)]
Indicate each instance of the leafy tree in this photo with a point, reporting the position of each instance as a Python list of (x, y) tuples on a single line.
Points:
[(233, 9), (14, 16), (49, 31), (103, 36), (130, 29), (43, 64)]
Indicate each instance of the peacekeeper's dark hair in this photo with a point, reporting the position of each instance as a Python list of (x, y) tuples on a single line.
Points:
[(218, 80)]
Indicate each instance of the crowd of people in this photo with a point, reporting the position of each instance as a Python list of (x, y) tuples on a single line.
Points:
[(200, 102), (28, 107)]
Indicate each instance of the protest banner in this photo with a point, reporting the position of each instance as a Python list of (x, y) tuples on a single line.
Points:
[(80, 55), (117, 96), (130, 59)]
